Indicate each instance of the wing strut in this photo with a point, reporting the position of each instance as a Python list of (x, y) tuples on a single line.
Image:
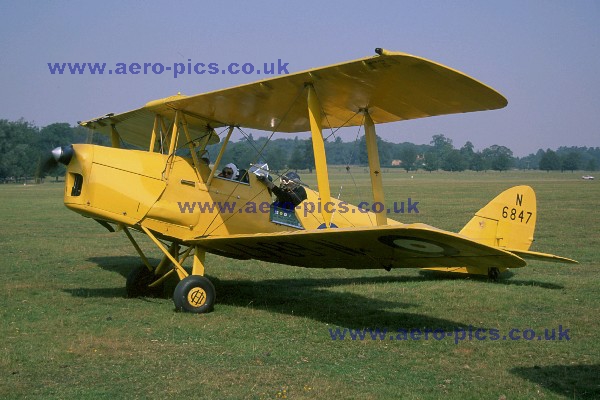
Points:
[(181, 272), (175, 133), (172, 145), (114, 137), (314, 116), (155, 129), (374, 168), (218, 161), (191, 146)]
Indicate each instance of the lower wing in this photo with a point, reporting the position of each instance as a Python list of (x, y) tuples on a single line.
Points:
[(395, 246)]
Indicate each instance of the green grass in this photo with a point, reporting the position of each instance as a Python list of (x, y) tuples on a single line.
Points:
[(68, 331)]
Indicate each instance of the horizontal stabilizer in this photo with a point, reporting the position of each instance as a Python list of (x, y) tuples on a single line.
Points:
[(534, 255)]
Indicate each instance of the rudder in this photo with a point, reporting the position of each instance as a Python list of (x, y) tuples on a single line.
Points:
[(508, 221)]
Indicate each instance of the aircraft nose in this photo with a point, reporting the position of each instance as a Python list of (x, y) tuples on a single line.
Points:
[(63, 154)]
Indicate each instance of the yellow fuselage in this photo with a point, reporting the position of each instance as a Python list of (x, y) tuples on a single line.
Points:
[(134, 187)]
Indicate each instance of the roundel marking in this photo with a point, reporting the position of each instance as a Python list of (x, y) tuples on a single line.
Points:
[(420, 246)]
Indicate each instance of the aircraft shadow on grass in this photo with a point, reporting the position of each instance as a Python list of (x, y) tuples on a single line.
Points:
[(572, 381), (303, 297), (506, 278)]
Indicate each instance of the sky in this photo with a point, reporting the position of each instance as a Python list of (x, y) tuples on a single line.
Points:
[(543, 56)]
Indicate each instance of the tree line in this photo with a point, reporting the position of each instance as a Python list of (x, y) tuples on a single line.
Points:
[(24, 146)]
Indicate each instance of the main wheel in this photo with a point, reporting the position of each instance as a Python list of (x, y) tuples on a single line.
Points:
[(493, 274), (194, 294), (138, 280)]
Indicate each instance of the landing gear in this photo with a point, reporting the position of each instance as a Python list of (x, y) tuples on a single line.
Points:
[(493, 274), (194, 294)]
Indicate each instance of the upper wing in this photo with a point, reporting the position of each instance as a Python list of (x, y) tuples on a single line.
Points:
[(404, 246), (135, 126), (392, 86)]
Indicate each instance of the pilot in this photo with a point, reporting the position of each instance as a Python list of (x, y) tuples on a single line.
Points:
[(229, 172), (291, 191)]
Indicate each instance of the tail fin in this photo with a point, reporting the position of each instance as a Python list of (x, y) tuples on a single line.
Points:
[(508, 221)]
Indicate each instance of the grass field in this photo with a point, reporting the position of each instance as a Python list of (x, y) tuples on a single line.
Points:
[(68, 331)]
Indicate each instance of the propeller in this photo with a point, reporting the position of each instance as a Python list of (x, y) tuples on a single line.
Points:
[(63, 154), (49, 162)]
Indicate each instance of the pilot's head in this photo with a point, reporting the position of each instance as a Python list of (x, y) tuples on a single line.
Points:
[(227, 173), (230, 171), (290, 180)]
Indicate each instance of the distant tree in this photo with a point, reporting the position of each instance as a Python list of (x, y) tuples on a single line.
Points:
[(591, 165), (549, 161), (408, 157), (338, 152), (59, 134), (467, 152), (362, 154), (441, 145), (18, 154), (275, 157), (297, 160), (385, 151), (530, 161), (454, 161), (593, 153), (538, 157), (478, 162), (309, 156), (24, 146), (570, 162), (243, 152), (431, 162), (499, 158), (502, 162)]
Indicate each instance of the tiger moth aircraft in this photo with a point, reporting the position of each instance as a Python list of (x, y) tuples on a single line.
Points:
[(142, 190)]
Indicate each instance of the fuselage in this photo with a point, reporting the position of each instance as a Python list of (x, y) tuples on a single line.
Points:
[(168, 195)]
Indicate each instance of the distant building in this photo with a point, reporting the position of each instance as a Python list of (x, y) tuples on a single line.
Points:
[(419, 160)]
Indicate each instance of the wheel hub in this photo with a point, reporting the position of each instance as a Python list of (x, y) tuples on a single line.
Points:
[(197, 297)]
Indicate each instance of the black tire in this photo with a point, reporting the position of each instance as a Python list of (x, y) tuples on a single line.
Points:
[(138, 280), (493, 274), (194, 294)]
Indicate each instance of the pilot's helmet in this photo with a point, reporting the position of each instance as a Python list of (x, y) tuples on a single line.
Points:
[(291, 179), (230, 171)]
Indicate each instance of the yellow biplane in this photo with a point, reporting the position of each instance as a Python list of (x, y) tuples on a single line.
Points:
[(143, 189)]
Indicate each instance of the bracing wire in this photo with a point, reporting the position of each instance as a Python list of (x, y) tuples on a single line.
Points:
[(257, 158)]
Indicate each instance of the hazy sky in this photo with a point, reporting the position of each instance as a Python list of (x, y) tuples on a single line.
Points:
[(543, 56)]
